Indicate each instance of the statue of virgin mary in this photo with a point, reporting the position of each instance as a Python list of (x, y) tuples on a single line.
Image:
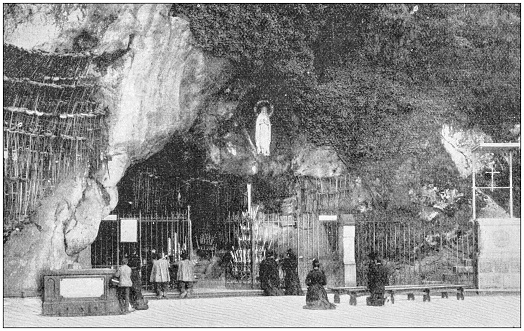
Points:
[(263, 127)]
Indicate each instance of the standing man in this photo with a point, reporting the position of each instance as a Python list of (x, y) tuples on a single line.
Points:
[(124, 287)]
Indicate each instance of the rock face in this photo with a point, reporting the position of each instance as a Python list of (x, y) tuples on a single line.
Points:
[(320, 162), (66, 221), (152, 92), (157, 90), (459, 145)]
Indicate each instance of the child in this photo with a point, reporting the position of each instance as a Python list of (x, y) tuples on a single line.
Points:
[(185, 274), (124, 274), (160, 275)]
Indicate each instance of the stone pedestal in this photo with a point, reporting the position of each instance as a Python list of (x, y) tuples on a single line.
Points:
[(348, 244), (80, 292), (499, 253)]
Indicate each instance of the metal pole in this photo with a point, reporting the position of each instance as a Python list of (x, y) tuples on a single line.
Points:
[(317, 227), (298, 223), (473, 196), (140, 243), (249, 199), (252, 250), (190, 231), (511, 184), (118, 241)]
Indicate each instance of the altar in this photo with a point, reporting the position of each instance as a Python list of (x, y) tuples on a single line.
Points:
[(79, 292)]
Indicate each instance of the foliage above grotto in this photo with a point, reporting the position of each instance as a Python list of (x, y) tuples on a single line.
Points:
[(471, 53), (374, 81)]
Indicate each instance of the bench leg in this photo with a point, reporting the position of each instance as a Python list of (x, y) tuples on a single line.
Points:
[(444, 295), (411, 296), (352, 299), (336, 299), (392, 297), (426, 297)]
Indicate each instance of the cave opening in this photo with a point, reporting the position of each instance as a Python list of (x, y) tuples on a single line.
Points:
[(180, 204)]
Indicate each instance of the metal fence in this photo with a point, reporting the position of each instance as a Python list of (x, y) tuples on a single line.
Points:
[(167, 234), (418, 253), (308, 237)]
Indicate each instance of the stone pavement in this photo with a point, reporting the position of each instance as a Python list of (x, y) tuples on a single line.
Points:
[(474, 311)]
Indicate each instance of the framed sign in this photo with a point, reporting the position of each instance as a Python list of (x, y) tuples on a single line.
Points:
[(128, 230)]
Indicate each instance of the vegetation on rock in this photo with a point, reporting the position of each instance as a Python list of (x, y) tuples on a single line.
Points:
[(374, 81)]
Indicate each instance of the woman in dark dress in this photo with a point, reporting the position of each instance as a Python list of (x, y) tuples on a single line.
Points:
[(291, 280), (316, 297), (268, 274), (136, 289), (377, 281)]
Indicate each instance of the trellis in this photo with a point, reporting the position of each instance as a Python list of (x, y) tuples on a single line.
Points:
[(53, 125)]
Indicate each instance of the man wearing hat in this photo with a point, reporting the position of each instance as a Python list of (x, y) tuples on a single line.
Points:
[(269, 277)]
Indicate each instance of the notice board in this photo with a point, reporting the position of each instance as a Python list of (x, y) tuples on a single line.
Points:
[(128, 230)]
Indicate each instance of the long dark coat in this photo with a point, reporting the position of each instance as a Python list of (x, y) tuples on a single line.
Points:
[(291, 280), (269, 278)]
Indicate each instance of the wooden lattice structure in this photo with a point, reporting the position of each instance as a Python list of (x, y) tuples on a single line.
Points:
[(53, 125)]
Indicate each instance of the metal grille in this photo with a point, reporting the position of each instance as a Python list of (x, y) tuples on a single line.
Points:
[(168, 234), (308, 237), (418, 253)]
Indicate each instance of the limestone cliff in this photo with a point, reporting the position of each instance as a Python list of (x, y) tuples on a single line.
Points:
[(154, 90)]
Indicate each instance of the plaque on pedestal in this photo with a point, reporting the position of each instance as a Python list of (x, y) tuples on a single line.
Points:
[(79, 292)]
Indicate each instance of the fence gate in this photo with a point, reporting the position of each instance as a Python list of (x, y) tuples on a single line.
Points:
[(418, 253), (308, 237), (168, 234)]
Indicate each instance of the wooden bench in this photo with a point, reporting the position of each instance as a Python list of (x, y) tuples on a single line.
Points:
[(356, 291)]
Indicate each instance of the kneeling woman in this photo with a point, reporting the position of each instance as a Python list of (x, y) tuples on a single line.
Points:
[(316, 297)]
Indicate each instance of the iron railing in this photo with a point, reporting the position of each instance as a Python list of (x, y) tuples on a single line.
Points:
[(417, 253), (166, 234), (308, 237)]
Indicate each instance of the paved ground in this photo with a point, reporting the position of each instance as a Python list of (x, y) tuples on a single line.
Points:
[(478, 311)]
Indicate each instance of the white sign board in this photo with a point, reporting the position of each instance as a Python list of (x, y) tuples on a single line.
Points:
[(111, 218), (88, 287), (327, 217), (128, 230)]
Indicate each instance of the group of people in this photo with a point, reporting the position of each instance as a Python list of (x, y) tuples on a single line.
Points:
[(130, 283), (269, 275), (316, 296), (129, 287)]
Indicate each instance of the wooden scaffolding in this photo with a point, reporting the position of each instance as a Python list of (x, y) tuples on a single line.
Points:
[(53, 126)]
